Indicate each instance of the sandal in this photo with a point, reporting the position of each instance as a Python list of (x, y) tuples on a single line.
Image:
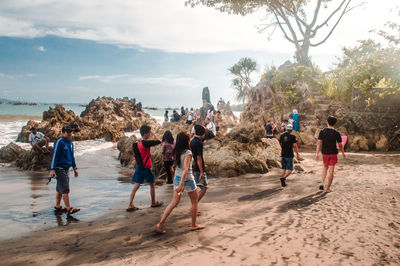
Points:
[(72, 210), (132, 209), (60, 209), (158, 204)]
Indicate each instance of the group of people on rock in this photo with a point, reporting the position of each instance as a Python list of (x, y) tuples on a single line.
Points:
[(293, 119)]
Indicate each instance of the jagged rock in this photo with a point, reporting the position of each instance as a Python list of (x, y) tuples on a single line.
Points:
[(104, 117), (124, 146), (10, 153)]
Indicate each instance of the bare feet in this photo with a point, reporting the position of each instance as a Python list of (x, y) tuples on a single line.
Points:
[(159, 229), (197, 227)]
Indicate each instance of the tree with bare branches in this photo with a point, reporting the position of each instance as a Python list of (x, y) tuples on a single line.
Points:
[(299, 27)]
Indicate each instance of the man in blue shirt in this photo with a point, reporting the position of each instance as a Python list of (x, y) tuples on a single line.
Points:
[(63, 158)]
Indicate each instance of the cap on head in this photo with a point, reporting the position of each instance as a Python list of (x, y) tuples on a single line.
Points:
[(66, 129), (289, 127)]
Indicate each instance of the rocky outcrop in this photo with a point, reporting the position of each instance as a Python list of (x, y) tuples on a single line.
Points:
[(366, 129), (25, 159), (104, 117), (206, 103), (229, 120), (243, 150)]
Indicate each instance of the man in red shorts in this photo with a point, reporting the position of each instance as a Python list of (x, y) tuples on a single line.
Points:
[(327, 140)]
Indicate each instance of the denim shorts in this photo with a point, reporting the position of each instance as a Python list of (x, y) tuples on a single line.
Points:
[(287, 163), (188, 185), (62, 177), (203, 182)]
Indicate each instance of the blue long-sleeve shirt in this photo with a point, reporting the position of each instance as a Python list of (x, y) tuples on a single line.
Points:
[(63, 154)]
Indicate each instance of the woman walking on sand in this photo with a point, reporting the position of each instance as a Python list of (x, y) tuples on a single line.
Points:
[(184, 180), (168, 145)]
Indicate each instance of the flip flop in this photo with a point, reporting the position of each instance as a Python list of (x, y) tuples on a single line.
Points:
[(199, 227), (158, 204), (60, 209), (72, 210), (132, 209), (321, 187)]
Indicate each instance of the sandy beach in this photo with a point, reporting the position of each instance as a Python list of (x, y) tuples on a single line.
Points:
[(250, 220)]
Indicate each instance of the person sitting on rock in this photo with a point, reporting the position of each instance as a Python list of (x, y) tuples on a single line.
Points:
[(270, 129), (145, 173), (175, 116), (190, 117), (37, 140), (283, 125), (218, 120), (211, 127), (288, 141), (166, 116), (63, 159)]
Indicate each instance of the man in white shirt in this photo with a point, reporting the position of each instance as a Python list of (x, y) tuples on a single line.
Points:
[(210, 126), (37, 140)]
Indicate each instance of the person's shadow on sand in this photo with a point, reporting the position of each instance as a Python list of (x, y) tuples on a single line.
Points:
[(260, 195), (302, 202)]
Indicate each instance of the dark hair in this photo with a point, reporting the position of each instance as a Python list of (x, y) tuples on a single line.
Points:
[(167, 137), (285, 121), (166, 111), (144, 130), (331, 120), (33, 128), (191, 109), (199, 130), (181, 145), (218, 112)]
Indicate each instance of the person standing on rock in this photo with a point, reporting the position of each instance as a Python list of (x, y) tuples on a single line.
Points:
[(63, 159), (211, 127), (190, 117), (296, 120), (183, 181), (168, 145), (327, 139), (199, 172), (37, 140), (166, 116), (145, 173), (218, 120), (288, 141)]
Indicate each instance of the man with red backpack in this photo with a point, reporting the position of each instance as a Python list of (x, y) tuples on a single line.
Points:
[(144, 166)]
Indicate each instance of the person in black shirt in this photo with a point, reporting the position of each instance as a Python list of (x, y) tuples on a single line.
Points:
[(288, 142), (196, 146), (327, 139)]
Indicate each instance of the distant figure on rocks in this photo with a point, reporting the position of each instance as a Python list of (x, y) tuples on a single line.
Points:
[(288, 142), (183, 181), (168, 145), (199, 172), (191, 116), (296, 121), (218, 120), (291, 120), (144, 166), (166, 119), (210, 126), (175, 116), (283, 125), (270, 129), (37, 140), (183, 113), (210, 113), (327, 139), (63, 158)]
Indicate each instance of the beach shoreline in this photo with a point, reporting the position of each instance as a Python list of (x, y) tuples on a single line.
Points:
[(249, 220)]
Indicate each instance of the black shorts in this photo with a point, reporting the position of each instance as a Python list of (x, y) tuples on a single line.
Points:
[(217, 129), (62, 177)]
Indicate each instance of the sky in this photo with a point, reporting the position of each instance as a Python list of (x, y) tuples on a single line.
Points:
[(159, 52)]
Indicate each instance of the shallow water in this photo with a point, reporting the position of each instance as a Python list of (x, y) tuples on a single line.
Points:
[(27, 201)]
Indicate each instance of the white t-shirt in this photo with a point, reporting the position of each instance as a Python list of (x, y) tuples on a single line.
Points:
[(36, 138), (179, 170), (291, 121), (210, 126), (210, 114), (191, 115)]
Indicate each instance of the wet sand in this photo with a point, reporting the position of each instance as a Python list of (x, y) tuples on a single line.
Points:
[(250, 220)]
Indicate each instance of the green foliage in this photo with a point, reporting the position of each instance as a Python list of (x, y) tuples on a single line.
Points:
[(370, 68), (285, 83), (242, 80)]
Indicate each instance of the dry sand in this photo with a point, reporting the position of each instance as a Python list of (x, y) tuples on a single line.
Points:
[(250, 220)]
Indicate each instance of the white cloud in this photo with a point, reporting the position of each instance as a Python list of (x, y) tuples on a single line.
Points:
[(165, 80), (6, 76), (170, 26), (41, 48)]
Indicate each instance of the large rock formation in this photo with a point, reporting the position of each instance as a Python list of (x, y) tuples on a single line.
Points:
[(25, 159), (104, 117), (367, 128)]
